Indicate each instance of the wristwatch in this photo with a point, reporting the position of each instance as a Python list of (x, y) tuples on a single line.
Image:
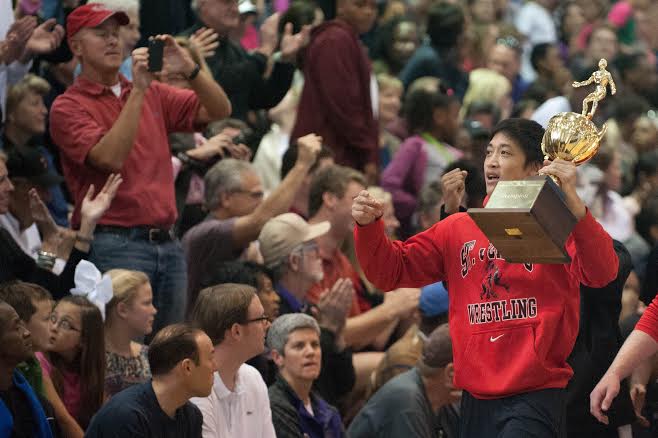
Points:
[(195, 72)]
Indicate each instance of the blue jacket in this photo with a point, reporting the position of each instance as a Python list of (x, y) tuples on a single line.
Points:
[(42, 429)]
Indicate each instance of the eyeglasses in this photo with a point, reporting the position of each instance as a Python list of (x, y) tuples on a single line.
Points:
[(309, 248), (263, 319), (64, 324), (509, 41), (254, 195)]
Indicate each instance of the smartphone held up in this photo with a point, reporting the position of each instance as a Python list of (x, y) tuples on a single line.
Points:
[(156, 53)]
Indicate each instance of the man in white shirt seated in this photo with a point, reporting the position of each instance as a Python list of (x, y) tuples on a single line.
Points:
[(235, 320)]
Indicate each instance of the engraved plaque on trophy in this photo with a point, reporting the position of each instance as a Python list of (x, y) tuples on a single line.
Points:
[(527, 220)]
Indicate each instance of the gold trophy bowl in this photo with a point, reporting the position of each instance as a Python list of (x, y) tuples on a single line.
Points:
[(571, 137), (528, 220)]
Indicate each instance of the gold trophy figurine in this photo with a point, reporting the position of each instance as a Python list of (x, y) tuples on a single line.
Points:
[(601, 78), (574, 137), (527, 220)]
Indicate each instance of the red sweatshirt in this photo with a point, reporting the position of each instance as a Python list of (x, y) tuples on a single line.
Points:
[(512, 325)]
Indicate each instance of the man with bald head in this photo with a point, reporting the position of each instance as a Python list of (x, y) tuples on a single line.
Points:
[(418, 402), (21, 412)]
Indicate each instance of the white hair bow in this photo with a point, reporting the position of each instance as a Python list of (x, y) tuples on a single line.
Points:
[(89, 283)]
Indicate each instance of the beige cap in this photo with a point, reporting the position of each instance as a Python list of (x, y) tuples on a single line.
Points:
[(285, 232)]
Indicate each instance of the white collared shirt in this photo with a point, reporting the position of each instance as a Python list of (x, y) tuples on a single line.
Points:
[(243, 413)]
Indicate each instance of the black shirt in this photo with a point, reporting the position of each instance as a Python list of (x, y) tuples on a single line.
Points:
[(241, 76), (21, 411), (136, 413)]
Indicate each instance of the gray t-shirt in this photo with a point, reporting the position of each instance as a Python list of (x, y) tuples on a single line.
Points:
[(400, 408)]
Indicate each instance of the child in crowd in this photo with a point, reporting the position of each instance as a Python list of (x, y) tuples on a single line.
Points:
[(75, 362), (33, 304), (130, 316)]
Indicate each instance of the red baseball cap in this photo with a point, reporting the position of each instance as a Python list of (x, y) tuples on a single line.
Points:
[(92, 15)]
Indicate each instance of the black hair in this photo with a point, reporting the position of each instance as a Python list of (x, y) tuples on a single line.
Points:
[(527, 134), (383, 47), (476, 130), (300, 13), (290, 158), (646, 166), (475, 187), (419, 108), (484, 107), (445, 24), (538, 53), (539, 91), (522, 105), (228, 272)]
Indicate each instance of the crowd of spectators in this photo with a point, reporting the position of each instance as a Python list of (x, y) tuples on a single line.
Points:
[(176, 242)]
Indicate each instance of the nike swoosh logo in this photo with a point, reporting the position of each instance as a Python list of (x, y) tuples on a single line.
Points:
[(492, 339)]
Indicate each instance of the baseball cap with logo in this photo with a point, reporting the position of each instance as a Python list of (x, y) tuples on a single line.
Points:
[(91, 15), (29, 163), (283, 233)]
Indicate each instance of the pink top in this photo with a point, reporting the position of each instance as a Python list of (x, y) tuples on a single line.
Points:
[(620, 13), (71, 386), (250, 40)]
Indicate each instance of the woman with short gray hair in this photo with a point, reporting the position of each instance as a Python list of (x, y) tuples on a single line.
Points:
[(277, 335), (294, 340)]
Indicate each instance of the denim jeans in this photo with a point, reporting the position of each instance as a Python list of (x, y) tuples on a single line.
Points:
[(164, 263)]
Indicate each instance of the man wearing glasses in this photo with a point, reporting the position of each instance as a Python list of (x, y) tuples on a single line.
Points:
[(234, 319), (234, 197)]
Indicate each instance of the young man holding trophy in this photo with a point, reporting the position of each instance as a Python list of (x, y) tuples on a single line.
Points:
[(513, 271)]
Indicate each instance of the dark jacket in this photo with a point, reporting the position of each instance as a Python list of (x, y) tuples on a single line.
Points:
[(428, 61), (241, 76), (599, 339), (292, 420), (337, 376), (16, 265), (335, 102)]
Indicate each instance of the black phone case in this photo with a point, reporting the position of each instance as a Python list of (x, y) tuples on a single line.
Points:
[(156, 51)]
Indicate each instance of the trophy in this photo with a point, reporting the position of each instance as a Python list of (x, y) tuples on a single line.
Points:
[(527, 220)]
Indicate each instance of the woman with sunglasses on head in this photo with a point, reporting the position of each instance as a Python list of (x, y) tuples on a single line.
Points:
[(74, 366)]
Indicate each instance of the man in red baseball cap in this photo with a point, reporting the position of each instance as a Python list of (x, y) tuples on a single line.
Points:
[(105, 124), (92, 15)]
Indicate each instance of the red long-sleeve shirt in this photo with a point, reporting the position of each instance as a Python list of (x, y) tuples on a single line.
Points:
[(512, 325)]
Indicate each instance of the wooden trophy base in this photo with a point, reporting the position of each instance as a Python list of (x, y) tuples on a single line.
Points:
[(527, 221)]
